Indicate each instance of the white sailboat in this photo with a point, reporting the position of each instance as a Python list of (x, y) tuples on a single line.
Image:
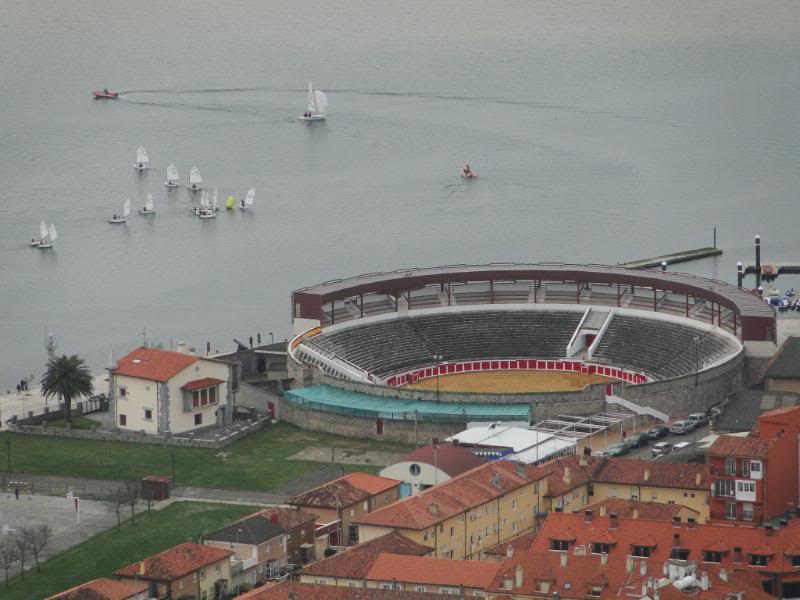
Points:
[(172, 176), (249, 199), (35, 242), (148, 206), (205, 210), (317, 103), (126, 210), (213, 204), (194, 179), (142, 160)]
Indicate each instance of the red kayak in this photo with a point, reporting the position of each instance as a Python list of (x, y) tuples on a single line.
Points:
[(105, 94)]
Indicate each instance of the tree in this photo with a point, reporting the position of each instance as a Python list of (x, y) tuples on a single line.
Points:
[(22, 553), (8, 554), (68, 378), (118, 498), (36, 538), (132, 493)]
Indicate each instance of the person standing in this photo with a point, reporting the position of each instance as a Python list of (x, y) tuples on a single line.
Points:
[(16, 493)]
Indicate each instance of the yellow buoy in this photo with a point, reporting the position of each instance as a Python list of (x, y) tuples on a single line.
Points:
[(230, 203)]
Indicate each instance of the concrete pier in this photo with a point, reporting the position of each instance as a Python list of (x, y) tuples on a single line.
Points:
[(675, 257)]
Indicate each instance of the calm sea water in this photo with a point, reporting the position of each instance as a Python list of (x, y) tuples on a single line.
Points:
[(602, 131)]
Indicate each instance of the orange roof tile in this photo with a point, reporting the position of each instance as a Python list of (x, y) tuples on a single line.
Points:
[(356, 561), (425, 570), (174, 563), (450, 458), (103, 589), (313, 591), (344, 491), (629, 508), (153, 364), (520, 544), (199, 384), (746, 447), (454, 496)]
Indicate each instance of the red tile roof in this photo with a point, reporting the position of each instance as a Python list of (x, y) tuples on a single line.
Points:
[(153, 364), (103, 589), (570, 472), (344, 491), (174, 563), (744, 447), (520, 544), (425, 570), (451, 459), (356, 561), (696, 539), (454, 496), (312, 591), (629, 508), (199, 384)]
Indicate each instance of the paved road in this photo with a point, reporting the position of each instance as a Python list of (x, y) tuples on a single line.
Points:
[(646, 454)]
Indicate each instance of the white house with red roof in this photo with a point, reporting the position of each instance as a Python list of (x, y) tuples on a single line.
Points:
[(162, 392)]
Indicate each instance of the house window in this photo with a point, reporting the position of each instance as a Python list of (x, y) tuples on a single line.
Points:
[(148, 414), (452, 531), (198, 419), (679, 554), (513, 505), (759, 560), (723, 487), (712, 557), (419, 588), (730, 510), (352, 534), (746, 468), (202, 574), (598, 548), (796, 560), (595, 590), (755, 467), (123, 391), (559, 545), (195, 399), (415, 470), (123, 420), (643, 551), (730, 466), (212, 395), (204, 397)]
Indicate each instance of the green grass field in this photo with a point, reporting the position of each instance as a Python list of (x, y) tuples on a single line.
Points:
[(77, 423), (258, 462), (103, 554)]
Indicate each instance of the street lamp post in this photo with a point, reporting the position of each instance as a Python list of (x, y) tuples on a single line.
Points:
[(696, 361), (438, 358), (173, 468), (8, 454), (271, 338)]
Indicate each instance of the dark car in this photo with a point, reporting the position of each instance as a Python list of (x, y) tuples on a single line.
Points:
[(657, 432), (618, 449), (637, 440)]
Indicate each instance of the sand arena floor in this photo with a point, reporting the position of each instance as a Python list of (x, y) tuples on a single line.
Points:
[(509, 382)]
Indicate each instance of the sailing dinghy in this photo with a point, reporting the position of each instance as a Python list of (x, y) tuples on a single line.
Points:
[(46, 236), (172, 176), (194, 180), (142, 160), (126, 210), (249, 199), (317, 103), (148, 206), (206, 209), (42, 235)]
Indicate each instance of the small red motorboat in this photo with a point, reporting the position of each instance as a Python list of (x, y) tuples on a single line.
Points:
[(106, 94)]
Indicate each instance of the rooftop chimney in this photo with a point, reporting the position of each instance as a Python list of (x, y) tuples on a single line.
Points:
[(141, 567), (647, 474), (676, 521), (603, 511), (603, 558), (642, 568), (433, 508), (635, 513), (567, 475), (587, 515), (182, 348), (518, 576), (698, 478), (629, 565), (704, 581), (582, 461), (723, 574), (564, 557), (612, 520), (510, 551)]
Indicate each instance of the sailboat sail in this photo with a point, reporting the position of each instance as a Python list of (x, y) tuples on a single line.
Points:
[(52, 232), (321, 101), (141, 156), (43, 232), (312, 106), (126, 208), (251, 196), (194, 176), (214, 200), (172, 172), (148, 203)]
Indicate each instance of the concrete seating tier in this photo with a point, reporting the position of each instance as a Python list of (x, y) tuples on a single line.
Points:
[(661, 349), (400, 344)]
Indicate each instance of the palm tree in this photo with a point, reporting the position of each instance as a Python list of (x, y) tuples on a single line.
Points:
[(69, 378)]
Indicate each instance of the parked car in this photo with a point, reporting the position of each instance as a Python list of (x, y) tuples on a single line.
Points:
[(657, 432), (618, 449), (699, 419), (681, 446), (661, 448), (637, 440), (681, 427)]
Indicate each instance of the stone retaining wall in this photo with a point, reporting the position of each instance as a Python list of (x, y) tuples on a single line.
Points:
[(233, 433)]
